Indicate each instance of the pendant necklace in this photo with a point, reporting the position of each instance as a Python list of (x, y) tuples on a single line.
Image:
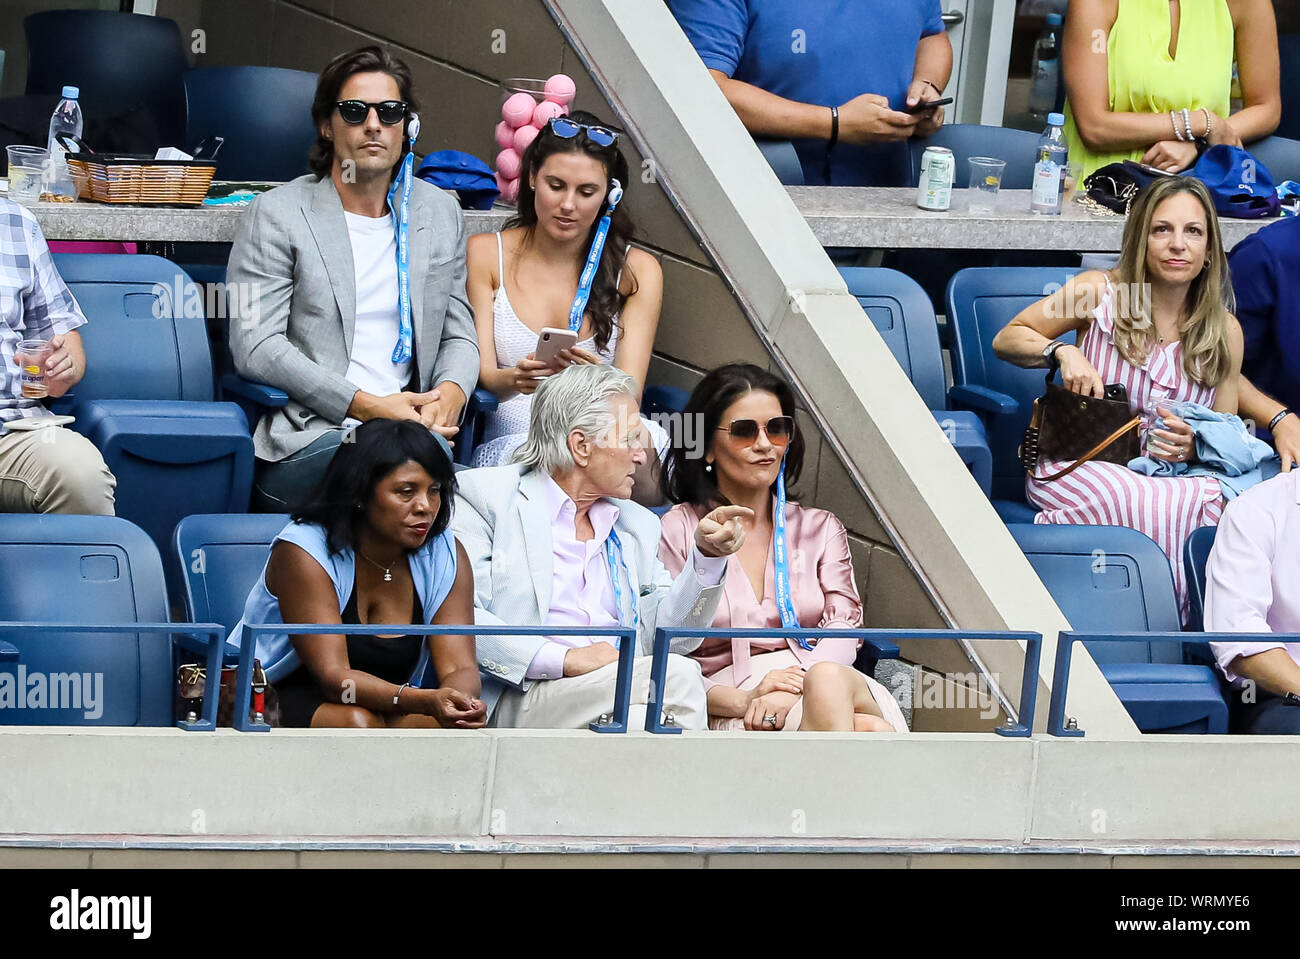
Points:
[(388, 570)]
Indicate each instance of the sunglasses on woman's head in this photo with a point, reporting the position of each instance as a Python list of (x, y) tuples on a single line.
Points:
[(779, 430), (567, 129), (354, 112)]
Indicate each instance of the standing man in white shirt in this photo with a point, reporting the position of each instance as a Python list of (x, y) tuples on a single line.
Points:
[(321, 258)]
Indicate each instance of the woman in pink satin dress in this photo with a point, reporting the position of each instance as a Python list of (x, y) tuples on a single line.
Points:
[(769, 684)]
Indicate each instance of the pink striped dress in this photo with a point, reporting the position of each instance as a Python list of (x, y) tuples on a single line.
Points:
[(1166, 508)]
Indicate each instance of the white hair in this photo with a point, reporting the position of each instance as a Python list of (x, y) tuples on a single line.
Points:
[(580, 398)]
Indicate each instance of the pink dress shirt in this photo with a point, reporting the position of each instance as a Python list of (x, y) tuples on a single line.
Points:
[(822, 586), (582, 593), (1253, 576)]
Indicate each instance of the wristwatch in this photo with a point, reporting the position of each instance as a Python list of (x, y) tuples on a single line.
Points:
[(1049, 351)]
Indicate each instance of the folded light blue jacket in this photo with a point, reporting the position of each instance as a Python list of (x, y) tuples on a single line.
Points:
[(1225, 449)]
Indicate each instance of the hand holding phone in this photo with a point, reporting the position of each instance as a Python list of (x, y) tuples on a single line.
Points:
[(927, 105), (551, 341)]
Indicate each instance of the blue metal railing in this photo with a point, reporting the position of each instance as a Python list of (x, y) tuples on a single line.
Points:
[(1056, 719), (214, 634), (881, 639), (625, 637)]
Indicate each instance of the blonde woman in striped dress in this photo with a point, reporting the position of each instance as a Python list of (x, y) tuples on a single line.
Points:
[(1160, 324)]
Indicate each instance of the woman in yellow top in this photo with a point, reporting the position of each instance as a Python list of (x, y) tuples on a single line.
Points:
[(1146, 78)]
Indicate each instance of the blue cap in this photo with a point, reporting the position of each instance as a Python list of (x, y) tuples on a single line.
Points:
[(1056, 119), (71, 93), (1055, 19)]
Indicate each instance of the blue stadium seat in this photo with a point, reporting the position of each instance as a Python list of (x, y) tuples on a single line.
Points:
[(784, 161), (268, 143), (121, 61), (1280, 154), (981, 301), (86, 569), (221, 557), (1196, 554), (661, 399), (481, 402), (967, 140), (901, 313), (1110, 579), (146, 399)]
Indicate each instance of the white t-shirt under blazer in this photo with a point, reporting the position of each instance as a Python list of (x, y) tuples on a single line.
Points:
[(374, 256)]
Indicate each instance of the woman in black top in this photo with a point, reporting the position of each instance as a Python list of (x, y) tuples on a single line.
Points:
[(383, 506)]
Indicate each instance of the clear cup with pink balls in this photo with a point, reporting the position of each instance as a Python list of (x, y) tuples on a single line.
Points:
[(526, 107)]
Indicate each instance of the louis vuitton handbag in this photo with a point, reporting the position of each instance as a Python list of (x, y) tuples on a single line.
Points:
[(192, 686), (1067, 426)]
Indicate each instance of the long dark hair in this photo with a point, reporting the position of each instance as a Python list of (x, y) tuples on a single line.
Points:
[(369, 453), (372, 59), (684, 478), (606, 301)]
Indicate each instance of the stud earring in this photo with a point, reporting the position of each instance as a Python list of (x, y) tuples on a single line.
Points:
[(708, 467)]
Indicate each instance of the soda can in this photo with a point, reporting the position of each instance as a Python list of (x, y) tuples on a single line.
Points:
[(934, 192)]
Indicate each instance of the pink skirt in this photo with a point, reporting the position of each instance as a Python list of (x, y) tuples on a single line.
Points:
[(764, 663)]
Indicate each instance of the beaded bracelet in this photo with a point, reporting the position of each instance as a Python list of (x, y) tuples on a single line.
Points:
[(1209, 123), (1173, 118), (1187, 122)]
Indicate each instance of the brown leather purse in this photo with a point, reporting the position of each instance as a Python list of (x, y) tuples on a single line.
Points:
[(192, 687), (1068, 426)]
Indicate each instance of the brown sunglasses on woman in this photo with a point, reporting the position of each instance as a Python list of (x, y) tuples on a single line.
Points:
[(779, 429)]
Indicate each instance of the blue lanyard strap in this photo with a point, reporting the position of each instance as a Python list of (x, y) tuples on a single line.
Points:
[(614, 559), (781, 574), (402, 351), (588, 276)]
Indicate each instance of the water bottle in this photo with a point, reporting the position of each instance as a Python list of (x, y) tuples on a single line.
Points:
[(66, 119), (1051, 162), (1047, 68)]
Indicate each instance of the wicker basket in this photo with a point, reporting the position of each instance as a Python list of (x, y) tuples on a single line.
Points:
[(143, 180)]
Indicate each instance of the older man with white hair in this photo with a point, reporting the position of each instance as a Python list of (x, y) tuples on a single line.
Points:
[(554, 541)]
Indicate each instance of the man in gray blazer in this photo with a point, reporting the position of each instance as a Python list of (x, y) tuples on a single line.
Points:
[(554, 541), (318, 260)]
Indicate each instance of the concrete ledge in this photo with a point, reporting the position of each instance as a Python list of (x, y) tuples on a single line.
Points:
[(507, 791)]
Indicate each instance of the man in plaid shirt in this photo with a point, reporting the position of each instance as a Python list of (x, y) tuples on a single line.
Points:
[(47, 469)]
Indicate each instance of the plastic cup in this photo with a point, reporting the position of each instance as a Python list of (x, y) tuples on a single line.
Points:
[(27, 167), (1073, 179), (985, 181), (31, 356)]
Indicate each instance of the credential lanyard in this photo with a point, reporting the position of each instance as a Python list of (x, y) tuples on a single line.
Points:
[(614, 559), (402, 351), (780, 562), (588, 276)]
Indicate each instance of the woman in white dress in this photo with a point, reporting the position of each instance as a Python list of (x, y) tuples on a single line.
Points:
[(526, 278)]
